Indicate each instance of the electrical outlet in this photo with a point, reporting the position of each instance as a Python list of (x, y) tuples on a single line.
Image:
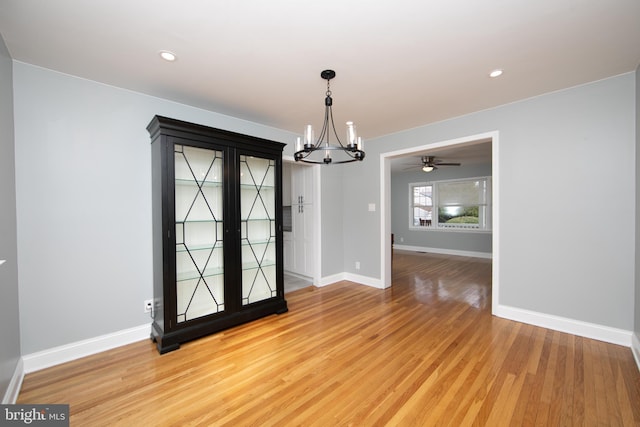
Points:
[(148, 306), (357, 265)]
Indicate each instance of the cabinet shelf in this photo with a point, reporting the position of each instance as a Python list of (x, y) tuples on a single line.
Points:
[(246, 242), (199, 221), (194, 184), (254, 188), (194, 274), (255, 265), (181, 247)]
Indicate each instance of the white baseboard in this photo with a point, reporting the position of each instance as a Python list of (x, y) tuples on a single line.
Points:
[(11, 395), (298, 275), (328, 280), (364, 280), (66, 353), (356, 278), (635, 348), (562, 324), (441, 251)]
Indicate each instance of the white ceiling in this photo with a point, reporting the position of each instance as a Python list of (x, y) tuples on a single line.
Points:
[(399, 64)]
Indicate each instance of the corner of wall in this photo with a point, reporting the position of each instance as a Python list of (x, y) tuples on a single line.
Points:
[(13, 390), (9, 291)]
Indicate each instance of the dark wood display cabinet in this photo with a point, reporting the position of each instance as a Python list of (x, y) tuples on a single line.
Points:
[(217, 230)]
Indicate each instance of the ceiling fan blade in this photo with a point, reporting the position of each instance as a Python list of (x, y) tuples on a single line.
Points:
[(447, 164)]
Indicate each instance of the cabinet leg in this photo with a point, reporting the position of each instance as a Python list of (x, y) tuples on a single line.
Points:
[(168, 348)]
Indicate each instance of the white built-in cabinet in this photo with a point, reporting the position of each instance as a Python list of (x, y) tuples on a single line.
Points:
[(298, 243)]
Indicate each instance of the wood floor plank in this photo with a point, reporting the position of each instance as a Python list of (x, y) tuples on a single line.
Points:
[(565, 380), (424, 352)]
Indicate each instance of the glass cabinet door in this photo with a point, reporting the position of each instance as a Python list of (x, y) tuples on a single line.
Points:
[(199, 232), (258, 228)]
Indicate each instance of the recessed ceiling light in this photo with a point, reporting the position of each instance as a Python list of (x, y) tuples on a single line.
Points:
[(168, 56), (495, 73)]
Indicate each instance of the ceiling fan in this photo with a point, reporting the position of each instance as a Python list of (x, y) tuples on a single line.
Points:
[(430, 163)]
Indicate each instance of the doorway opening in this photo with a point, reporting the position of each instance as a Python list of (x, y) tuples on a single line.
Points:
[(385, 198)]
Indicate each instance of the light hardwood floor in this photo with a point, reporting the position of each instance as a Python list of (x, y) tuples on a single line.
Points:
[(425, 352)]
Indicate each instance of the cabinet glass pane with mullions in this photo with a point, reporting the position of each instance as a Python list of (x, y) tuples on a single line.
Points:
[(199, 232), (258, 228)]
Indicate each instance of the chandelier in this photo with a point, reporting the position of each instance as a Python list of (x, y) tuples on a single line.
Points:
[(319, 151)]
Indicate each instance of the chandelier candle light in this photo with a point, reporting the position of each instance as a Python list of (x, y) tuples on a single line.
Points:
[(305, 149)]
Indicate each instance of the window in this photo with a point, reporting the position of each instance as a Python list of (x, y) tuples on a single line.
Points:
[(422, 205), (463, 204)]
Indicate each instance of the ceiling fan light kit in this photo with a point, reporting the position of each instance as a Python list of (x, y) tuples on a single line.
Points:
[(427, 168), (306, 148)]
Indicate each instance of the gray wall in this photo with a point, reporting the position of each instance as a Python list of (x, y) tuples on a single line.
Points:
[(83, 171), (332, 219), (449, 240), (361, 228), (9, 318), (566, 171)]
